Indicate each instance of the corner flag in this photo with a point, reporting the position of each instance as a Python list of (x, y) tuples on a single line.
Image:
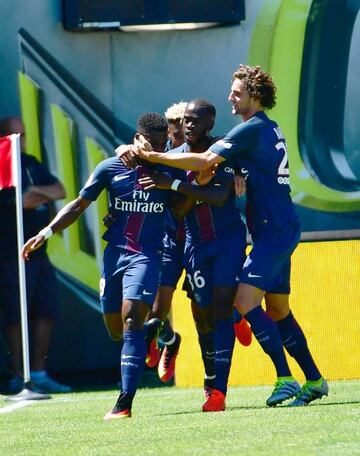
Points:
[(7, 162), (10, 176)]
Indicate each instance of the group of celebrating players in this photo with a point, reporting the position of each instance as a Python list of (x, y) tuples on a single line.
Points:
[(173, 206)]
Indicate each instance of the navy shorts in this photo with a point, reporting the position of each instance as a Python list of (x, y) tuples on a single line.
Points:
[(268, 265), (172, 264), (214, 264), (41, 290), (128, 275)]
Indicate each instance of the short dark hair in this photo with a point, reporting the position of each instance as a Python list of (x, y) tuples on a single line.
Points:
[(258, 83), (151, 121), (203, 106)]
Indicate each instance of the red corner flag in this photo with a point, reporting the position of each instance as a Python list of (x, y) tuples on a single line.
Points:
[(7, 162)]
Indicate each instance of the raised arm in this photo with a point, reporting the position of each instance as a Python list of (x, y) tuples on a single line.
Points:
[(189, 161), (65, 217)]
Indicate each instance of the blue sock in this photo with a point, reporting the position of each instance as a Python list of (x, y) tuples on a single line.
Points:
[(268, 336), (207, 346), (132, 360), (224, 343), (296, 345)]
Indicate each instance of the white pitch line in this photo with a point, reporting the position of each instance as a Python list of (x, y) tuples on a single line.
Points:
[(15, 406)]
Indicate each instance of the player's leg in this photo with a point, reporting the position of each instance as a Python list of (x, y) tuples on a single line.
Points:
[(226, 269), (204, 320), (263, 271), (171, 270), (140, 275), (170, 338), (198, 263), (114, 324), (223, 298), (294, 340), (248, 302)]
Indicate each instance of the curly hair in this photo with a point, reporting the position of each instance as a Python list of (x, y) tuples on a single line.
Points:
[(151, 121), (175, 111), (258, 83)]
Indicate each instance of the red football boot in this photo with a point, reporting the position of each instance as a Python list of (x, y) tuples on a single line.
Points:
[(215, 402), (122, 408), (166, 367), (243, 332), (153, 355)]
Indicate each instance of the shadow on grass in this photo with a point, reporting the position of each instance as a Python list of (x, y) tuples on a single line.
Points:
[(257, 407)]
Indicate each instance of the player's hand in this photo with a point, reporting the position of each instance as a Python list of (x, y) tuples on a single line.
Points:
[(156, 180), (143, 143), (127, 154), (239, 185), (108, 220), (32, 244), (142, 147), (204, 177)]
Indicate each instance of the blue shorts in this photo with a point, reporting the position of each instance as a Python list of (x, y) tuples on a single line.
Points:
[(41, 290), (214, 264), (128, 275), (172, 263), (268, 265)]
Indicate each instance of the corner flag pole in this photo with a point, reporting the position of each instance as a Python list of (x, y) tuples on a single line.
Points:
[(26, 393), (15, 146)]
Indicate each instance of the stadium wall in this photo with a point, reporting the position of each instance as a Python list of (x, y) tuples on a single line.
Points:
[(325, 299)]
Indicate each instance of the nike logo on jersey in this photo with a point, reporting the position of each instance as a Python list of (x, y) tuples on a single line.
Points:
[(251, 275), (129, 356), (120, 177), (146, 293)]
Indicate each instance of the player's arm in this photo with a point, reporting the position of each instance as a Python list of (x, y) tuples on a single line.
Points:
[(65, 217), (72, 211), (214, 193), (188, 161)]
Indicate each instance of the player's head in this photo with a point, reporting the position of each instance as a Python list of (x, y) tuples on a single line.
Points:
[(252, 89), (199, 119), (153, 127), (12, 125), (174, 116)]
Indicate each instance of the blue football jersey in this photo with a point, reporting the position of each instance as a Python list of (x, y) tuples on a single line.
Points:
[(139, 214), (259, 148), (206, 222)]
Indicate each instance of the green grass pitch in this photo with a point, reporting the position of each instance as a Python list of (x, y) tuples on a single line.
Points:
[(169, 421)]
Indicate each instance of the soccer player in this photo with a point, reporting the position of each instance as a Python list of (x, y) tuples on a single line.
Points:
[(172, 268), (215, 244), (132, 258), (174, 116), (259, 147)]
